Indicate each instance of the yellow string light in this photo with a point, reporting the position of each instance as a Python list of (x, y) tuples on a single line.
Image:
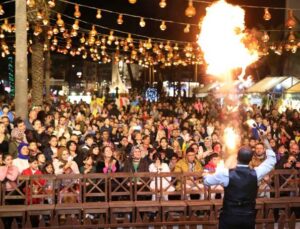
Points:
[(120, 19), (163, 26), (1, 10), (267, 15), (162, 4), (190, 11), (142, 22), (98, 15)]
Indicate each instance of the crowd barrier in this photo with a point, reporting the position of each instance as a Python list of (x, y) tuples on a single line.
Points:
[(140, 199)]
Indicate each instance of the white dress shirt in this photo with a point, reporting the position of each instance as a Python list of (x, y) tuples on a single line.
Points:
[(221, 177)]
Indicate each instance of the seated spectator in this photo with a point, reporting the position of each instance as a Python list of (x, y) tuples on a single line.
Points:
[(173, 162), (212, 164), (63, 164), (108, 164), (259, 155), (16, 138), (51, 151), (4, 139), (188, 164), (21, 162), (135, 163), (119, 155), (159, 167), (41, 159), (8, 173), (33, 148), (285, 162), (88, 165), (33, 169)]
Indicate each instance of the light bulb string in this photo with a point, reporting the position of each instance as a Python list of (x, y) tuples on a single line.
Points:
[(121, 31), (250, 6), (129, 15), (135, 40), (6, 2)]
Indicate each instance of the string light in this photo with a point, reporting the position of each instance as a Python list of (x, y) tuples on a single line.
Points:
[(291, 37), (77, 13), (1, 10), (120, 19), (190, 10), (51, 3), (75, 26), (291, 21), (40, 15), (142, 22), (265, 38), (132, 1), (162, 4), (163, 26), (30, 3), (267, 15), (187, 29), (98, 15), (60, 22)]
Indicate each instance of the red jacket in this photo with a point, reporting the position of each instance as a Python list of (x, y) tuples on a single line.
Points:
[(38, 183)]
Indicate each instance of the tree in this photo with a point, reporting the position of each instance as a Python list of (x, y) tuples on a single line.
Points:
[(37, 69), (21, 66)]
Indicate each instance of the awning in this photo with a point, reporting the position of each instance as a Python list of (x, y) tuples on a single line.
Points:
[(269, 83), (294, 89), (207, 88)]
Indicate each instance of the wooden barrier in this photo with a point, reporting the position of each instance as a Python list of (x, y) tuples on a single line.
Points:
[(139, 200)]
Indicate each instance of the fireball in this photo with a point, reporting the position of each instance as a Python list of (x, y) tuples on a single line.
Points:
[(223, 40)]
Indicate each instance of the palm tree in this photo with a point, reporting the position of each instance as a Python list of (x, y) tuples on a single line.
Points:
[(21, 66), (37, 69)]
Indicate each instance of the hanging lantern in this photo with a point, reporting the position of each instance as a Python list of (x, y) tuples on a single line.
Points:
[(76, 25), (129, 38), (2, 35), (98, 15), (59, 21), (30, 3), (77, 13), (120, 19), (1, 10), (55, 30), (82, 39), (291, 21), (62, 29), (51, 3), (291, 37), (132, 1), (93, 32), (267, 15), (265, 38), (37, 30), (111, 36), (74, 33), (45, 22), (190, 11), (142, 22), (187, 29), (163, 26), (162, 4)]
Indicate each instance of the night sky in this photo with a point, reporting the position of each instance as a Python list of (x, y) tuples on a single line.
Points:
[(174, 11)]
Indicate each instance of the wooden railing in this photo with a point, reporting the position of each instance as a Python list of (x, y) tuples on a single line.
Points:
[(139, 200)]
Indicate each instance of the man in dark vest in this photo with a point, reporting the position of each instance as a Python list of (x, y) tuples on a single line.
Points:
[(240, 188)]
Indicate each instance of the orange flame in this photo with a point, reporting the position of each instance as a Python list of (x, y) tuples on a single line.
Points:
[(223, 40), (230, 139)]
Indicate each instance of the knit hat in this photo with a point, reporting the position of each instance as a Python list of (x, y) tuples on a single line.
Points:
[(20, 146)]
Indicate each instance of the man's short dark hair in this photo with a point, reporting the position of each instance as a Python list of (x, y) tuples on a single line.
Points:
[(31, 159)]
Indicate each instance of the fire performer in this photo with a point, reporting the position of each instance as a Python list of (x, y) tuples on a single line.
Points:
[(240, 188)]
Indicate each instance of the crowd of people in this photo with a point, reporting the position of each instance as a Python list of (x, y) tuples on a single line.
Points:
[(109, 136)]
